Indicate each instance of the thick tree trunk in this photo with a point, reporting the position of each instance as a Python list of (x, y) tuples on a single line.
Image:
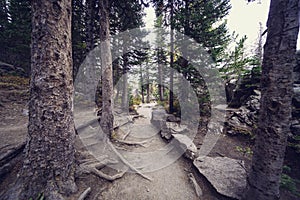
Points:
[(48, 167), (106, 64), (275, 112)]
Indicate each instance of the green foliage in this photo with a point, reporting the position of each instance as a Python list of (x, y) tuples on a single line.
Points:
[(120, 20), (15, 33), (135, 100), (176, 108), (295, 143), (289, 184), (78, 34), (246, 151), (237, 62), (40, 197), (204, 21)]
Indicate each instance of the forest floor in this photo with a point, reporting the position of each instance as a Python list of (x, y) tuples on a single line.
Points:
[(168, 181)]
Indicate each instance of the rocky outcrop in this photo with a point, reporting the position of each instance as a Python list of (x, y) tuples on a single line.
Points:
[(242, 120), (228, 176), (239, 91)]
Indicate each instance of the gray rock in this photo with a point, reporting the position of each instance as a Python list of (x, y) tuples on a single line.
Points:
[(172, 118), (167, 124), (240, 121), (158, 116), (228, 176), (165, 131), (186, 144), (176, 128)]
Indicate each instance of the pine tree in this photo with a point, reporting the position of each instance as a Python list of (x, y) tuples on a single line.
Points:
[(15, 33), (49, 155), (107, 117), (277, 91), (78, 34), (3, 29), (202, 21)]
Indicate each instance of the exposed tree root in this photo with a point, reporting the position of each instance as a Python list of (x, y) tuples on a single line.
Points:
[(126, 135), (142, 143), (117, 126), (11, 153), (95, 166), (126, 162), (197, 188), (5, 169), (90, 123), (85, 194), (138, 116)]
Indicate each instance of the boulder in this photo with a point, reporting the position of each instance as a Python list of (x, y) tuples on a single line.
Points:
[(165, 132), (187, 145), (167, 124), (239, 121), (158, 117), (228, 176)]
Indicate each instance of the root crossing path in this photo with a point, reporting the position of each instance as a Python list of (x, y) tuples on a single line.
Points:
[(154, 158)]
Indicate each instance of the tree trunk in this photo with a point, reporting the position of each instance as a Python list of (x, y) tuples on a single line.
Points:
[(125, 81), (184, 87), (160, 75), (148, 86), (142, 84), (106, 64), (90, 63), (171, 96), (275, 112), (48, 166)]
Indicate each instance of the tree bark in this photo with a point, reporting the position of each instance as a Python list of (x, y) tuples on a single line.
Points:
[(125, 103), (48, 166), (142, 84), (106, 64), (275, 111), (148, 85), (171, 95), (160, 75), (90, 68)]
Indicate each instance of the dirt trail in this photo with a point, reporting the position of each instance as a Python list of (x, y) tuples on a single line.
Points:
[(170, 182)]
